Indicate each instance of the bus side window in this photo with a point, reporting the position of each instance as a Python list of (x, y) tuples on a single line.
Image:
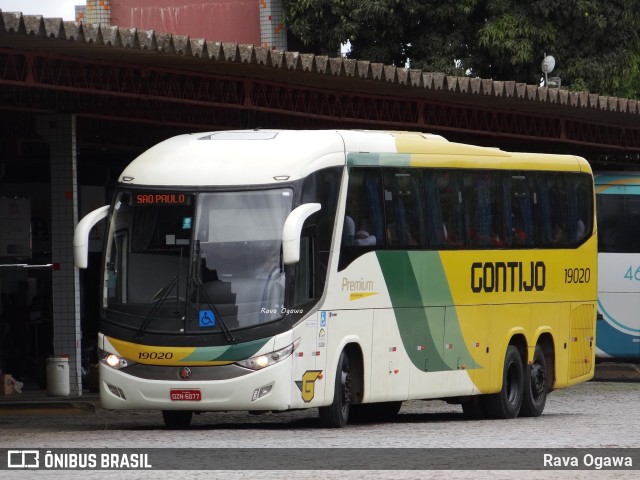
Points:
[(484, 210), (631, 232), (304, 290), (444, 210), (519, 202), (553, 207), (618, 222), (319, 187), (580, 213), (375, 216), (363, 216), (404, 207), (437, 231)]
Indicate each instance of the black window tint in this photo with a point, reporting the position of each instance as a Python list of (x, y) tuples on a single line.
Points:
[(611, 222), (519, 204), (580, 212), (483, 210), (618, 223), (320, 187), (403, 202), (631, 233), (364, 227), (443, 209), (553, 207)]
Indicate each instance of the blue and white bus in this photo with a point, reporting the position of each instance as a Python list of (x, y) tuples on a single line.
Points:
[(618, 212)]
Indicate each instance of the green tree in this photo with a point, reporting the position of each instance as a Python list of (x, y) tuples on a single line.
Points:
[(596, 44)]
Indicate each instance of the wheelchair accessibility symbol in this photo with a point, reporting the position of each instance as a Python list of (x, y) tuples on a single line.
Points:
[(207, 318)]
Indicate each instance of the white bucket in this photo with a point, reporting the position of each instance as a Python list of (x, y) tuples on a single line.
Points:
[(58, 377)]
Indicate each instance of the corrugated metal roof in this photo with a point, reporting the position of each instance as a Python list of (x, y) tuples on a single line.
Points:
[(147, 47)]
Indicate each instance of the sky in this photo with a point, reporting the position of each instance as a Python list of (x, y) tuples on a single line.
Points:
[(46, 8)]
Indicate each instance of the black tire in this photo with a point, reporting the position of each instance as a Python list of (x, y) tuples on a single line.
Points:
[(336, 415), (535, 386), (507, 402), (374, 412), (177, 419)]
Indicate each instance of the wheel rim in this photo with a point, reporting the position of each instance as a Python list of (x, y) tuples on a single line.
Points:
[(537, 380)]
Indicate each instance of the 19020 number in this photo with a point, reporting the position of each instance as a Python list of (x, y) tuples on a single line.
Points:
[(155, 355), (577, 275)]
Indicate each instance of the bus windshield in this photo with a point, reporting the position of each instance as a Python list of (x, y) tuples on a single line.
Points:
[(184, 262)]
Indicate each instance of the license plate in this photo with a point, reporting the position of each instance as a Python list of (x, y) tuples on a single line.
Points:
[(179, 395)]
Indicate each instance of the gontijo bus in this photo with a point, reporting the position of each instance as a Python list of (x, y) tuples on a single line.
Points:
[(269, 270), (618, 213)]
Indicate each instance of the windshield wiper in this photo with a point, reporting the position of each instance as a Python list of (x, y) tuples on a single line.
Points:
[(158, 304), (197, 281), (164, 293)]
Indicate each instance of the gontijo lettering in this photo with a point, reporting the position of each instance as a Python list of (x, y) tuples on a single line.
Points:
[(508, 276)]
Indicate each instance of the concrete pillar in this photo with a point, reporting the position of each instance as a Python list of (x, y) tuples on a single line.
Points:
[(59, 131)]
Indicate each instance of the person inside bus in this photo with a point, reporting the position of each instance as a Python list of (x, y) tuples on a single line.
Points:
[(348, 230), (362, 236), (558, 236), (580, 230)]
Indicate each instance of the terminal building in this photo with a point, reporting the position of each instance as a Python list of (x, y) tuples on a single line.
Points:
[(80, 99)]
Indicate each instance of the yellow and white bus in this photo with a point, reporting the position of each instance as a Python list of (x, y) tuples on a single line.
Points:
[(270, 270)]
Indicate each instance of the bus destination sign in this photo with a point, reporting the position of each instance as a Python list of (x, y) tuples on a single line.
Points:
[(163, 198)]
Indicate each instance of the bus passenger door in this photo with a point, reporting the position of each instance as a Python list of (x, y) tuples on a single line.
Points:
[(389, 361), (309, 361)]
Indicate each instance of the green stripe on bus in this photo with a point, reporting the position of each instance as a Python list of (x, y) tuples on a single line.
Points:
[(378, 160), (229, 353), (420, 296)]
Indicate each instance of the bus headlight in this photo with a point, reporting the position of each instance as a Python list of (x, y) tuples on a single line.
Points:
[(261, 361), (113, 360)]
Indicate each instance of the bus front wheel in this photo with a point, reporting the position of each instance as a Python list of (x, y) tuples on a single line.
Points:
[(535, 386), (336, 415), (507, 402)]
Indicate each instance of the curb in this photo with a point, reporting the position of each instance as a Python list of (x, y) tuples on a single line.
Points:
[(32, 402), (616, 372), (31, 407)]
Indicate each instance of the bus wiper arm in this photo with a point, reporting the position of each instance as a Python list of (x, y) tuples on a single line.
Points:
[(197, 281), (156, 307), (159, 301)]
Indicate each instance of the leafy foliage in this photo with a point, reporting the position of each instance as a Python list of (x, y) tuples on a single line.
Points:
[(596, 44)]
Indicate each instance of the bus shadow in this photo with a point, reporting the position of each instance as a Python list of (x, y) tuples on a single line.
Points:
[(205, 422)]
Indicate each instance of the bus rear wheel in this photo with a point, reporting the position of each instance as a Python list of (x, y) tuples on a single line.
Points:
[(507, 402), (177, 419), (535, 386), (336, 415)]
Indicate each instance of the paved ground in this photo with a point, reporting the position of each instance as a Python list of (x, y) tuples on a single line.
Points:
[(597, 414)]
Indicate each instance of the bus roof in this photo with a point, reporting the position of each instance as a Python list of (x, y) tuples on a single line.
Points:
[(253, 157)]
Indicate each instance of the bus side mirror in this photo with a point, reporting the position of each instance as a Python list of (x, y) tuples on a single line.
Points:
[(291, 231), (81, 235)]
